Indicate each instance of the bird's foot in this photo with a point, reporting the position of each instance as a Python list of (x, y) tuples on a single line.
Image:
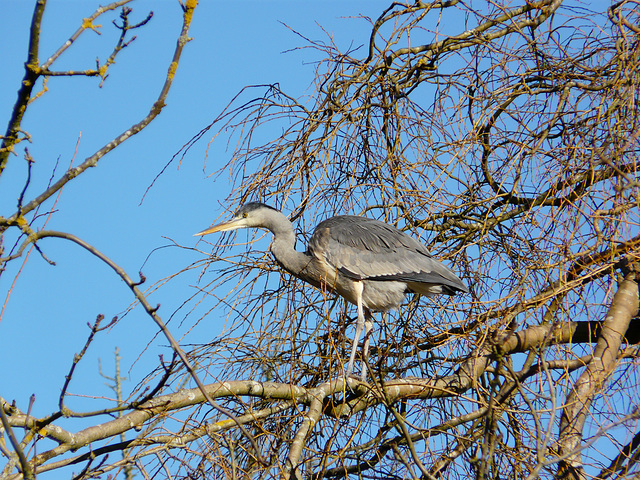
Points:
[(355, 383)]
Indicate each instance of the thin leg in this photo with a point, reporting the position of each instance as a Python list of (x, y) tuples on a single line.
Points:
[(368, 326), (359, 327)]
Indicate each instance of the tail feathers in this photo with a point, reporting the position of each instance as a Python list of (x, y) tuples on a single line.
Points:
[(430, 283), (429, 289)]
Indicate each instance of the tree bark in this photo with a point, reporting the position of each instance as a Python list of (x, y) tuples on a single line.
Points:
[(623, 308)]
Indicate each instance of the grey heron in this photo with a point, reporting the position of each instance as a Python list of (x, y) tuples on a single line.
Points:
[(368, 262)]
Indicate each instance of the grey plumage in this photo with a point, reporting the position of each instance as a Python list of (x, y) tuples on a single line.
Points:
[(369, 263)]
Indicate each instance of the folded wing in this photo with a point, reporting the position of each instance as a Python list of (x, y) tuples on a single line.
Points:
[(363, 248)]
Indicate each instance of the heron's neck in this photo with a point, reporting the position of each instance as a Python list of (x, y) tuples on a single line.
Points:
[(283, 245)]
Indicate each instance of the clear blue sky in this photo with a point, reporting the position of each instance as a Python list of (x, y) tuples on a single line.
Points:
[(234, 44)]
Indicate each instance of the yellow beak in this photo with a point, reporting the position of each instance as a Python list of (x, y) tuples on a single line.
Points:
[(233, 224)]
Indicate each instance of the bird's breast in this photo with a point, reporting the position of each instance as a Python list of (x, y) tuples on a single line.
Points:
[(383, 295)]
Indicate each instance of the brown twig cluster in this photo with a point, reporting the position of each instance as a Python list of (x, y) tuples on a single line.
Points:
[(506, 138)]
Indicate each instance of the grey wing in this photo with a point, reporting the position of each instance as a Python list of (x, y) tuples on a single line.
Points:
[(364, 248)]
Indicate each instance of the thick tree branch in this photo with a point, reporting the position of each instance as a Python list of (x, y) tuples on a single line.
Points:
[(31, 72), (577, 406)]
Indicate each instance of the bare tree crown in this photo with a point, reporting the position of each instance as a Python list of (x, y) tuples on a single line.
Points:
[(505, 136)]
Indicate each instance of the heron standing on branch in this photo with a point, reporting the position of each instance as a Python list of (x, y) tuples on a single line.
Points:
[(369, 263)]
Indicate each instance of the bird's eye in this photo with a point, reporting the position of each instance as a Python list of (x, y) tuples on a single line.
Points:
[(244, 214)]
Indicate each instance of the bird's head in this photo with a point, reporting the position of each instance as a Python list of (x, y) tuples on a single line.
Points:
[(249, 215)]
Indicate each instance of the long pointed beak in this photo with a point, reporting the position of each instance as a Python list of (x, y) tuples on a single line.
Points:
[(233, 224)]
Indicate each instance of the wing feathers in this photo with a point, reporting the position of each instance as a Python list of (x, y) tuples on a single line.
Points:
[(363, 248)]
